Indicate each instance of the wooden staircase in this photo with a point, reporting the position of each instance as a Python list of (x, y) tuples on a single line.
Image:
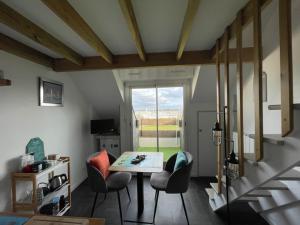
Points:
[(269, 174), (260, 198), (265, 180)]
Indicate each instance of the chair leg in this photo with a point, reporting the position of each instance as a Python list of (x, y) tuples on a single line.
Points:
[(120, 207), (155, 207), (94, 204), (128, 193), (187, 219)]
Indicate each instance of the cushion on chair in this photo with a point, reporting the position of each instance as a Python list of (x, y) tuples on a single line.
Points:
[(181, 160), (101, 162), (118, 180), (160, 180)]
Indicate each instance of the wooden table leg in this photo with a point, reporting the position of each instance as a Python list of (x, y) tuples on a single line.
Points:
[(140, 193)]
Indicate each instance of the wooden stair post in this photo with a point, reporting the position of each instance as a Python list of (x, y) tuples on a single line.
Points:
[(286, 67), (218, 89), (257, 36), (239, 92)]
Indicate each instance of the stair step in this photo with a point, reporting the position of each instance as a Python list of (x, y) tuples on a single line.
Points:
[(212, 204), (292, 175), (273, 185), (278, 107), (250, 158), (297, 168), (210, 192), (259, 208), (261, 193), (275, 139), (214, 187), (248, 199), (256, 206)]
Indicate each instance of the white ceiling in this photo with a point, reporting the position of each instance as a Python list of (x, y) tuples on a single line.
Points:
[(159, 22)]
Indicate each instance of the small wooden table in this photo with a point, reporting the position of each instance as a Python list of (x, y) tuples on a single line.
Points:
[(93, 221), (153, 163)]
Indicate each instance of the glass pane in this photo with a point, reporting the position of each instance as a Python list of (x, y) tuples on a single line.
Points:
[(144, 119), (170, 119)]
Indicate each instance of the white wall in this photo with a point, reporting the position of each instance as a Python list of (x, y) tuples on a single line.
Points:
[(64, 130), (271, 65)]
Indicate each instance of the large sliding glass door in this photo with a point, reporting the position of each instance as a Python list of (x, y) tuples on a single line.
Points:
[(157, 119)]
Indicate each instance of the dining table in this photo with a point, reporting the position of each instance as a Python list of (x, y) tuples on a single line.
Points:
[(153, 163)]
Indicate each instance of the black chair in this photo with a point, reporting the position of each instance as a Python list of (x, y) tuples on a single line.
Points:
[(115, 182), (172, 182)]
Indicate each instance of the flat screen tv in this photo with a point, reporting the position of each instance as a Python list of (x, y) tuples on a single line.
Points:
[(102, 126)]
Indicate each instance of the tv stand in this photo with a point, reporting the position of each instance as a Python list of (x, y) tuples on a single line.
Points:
[(112, 133)]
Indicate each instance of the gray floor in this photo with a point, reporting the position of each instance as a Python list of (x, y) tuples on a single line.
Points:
[(170, 210)]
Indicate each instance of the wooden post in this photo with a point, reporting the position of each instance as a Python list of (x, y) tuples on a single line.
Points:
[(258, 79), (239, 91), (286, 67), (69, 178), (13, 188), (218, 81), (226, 89), (218, 89), (34, 201)]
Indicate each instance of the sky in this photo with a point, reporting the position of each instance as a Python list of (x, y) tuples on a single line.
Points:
[(170, 98)]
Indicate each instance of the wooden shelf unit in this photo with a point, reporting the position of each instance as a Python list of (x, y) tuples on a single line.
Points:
[(4, 82), (34, 178)]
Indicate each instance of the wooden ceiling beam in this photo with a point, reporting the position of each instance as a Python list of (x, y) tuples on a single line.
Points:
[(153, 60), (130, 18), (19, 49), (19, 23), (134, 61), (247, 17), (186, 29), (68, 14)]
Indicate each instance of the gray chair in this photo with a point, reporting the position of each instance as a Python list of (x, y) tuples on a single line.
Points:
[(115, 182), (172, 182)]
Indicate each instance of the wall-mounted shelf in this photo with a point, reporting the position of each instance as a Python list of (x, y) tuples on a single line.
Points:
[(4, 82)]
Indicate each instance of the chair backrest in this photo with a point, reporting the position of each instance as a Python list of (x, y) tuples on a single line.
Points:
[(180, 179), (95, 178)]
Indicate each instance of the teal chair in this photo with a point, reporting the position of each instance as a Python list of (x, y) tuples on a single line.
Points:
[(172, 182)]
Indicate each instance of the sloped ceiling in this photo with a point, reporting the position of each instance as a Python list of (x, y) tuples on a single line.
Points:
[(100, 89), (205, 87)]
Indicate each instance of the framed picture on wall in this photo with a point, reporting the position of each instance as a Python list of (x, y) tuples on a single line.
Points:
[(51, 92)]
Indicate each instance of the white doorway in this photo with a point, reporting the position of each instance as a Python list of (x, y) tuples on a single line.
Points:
[(206, 154)]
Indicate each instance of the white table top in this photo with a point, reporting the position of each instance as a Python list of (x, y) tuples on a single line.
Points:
[(153, 162)]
